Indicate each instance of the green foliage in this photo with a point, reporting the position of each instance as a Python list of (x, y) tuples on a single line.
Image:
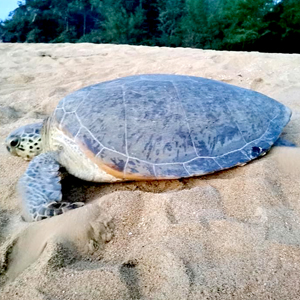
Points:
[(170, 15), (290, 25), (121, 26), (196, 24), (247, 25)]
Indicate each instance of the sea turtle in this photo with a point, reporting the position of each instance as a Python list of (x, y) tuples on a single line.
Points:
[(144, 127)]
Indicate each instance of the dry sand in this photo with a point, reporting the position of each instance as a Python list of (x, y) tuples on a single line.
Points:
[(230, 235)]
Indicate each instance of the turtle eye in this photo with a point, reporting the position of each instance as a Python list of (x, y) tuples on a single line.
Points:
[(15, 142)]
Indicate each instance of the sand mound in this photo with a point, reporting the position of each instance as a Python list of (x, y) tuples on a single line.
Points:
[(230, 235)]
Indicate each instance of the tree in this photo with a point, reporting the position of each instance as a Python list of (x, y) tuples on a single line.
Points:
[(245, 22), (289, 22), (202, 24), (150, 22), (121, 26), (247, 25), (170, 16), (80, 9), (17, 28)]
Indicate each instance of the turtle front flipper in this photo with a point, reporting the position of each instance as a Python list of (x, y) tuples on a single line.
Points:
[(40, 189)]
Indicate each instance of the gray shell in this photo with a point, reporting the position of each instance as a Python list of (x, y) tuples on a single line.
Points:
[(171, 126)]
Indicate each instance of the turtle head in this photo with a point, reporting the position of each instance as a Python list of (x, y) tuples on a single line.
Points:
[(25, 141)]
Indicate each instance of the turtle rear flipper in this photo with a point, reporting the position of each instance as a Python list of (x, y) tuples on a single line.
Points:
[(281, 142), (40, 189)]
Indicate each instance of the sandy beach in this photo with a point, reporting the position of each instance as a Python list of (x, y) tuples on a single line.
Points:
[(230, 235)]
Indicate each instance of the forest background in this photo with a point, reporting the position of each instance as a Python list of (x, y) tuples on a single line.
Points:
[(241, 25)]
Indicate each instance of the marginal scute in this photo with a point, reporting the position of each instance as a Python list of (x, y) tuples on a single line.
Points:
[(170, 171), (137, 167), (113, 160), (257, 148), (232, 159), (201, 166)]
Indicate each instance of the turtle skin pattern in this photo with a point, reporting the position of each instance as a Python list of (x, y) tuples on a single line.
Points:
[(41, 189)]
